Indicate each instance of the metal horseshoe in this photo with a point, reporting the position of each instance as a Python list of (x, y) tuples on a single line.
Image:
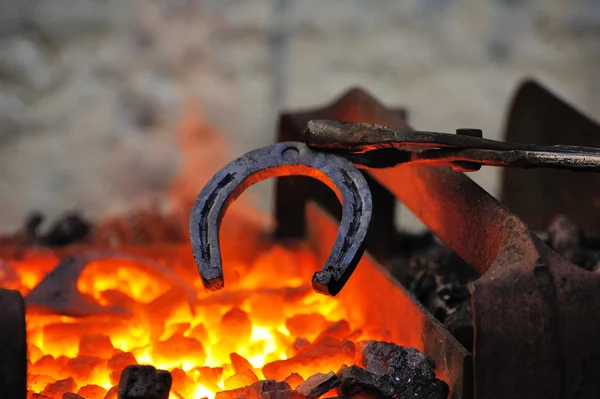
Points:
[(284, 159)]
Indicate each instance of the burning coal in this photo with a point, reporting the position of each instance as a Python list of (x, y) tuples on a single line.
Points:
[(269, 324)]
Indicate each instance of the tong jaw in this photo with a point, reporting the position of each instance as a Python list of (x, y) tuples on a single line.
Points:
[(284, 159)]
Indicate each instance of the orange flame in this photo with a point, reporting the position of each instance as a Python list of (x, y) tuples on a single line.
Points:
[(267, 323)]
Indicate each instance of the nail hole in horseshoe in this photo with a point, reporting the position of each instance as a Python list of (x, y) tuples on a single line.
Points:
[(290, 153)]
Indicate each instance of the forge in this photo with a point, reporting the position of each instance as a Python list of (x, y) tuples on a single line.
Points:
[(121, 311)]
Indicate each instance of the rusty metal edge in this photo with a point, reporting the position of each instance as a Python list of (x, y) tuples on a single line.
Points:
[(453, 361)]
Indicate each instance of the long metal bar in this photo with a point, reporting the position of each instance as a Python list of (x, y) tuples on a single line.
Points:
[(377, 146)]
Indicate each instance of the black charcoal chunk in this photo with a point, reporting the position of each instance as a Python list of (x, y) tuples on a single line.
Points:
[(70, 228), (264, 389), (281, 394), (317, 385), (410, 370), (434, 390), (144, 382), (436, 276), (358, 382)]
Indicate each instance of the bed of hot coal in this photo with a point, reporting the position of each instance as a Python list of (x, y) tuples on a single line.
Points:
[(355, 362), (432, 272)]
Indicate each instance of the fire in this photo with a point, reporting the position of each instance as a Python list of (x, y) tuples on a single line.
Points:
[(268, 323)]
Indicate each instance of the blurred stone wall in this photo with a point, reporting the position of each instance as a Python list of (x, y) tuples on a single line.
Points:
[(90, 90)]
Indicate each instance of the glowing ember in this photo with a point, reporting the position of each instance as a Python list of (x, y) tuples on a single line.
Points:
[(267, 325)]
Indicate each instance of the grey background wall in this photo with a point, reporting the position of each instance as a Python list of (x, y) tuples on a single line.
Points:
[(91, 90)]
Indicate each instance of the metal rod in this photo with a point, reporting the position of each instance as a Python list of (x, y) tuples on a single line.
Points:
[(375, 146)]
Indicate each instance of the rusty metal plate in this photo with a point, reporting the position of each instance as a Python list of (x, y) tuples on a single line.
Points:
[(538, 116)]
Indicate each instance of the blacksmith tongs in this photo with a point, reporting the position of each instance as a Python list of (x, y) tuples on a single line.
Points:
[(374, 146), (332, 153)]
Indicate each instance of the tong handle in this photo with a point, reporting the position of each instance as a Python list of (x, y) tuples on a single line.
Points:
[(375, 146)]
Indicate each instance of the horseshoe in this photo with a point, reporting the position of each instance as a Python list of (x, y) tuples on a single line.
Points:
[(284, 159)]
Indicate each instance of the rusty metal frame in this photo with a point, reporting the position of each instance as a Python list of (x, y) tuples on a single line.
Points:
[(532, 310)]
